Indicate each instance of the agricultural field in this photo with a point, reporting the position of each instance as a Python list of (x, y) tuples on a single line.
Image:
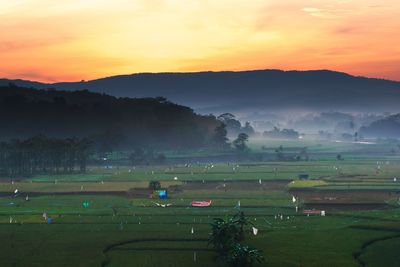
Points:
[(109, 216)]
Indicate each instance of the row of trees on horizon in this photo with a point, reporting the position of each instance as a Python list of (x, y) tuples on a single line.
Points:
[(41, 154)]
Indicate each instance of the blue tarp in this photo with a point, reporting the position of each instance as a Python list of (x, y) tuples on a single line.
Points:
[(163, 194)]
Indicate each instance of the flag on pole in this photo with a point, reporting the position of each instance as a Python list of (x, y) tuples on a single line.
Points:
[(255, 231)]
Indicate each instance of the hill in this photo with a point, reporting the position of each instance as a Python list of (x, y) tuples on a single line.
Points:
[(269, 90), (111, 121), (388, 127)]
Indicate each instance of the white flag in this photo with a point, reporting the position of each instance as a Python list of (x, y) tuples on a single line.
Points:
[(255, 231)]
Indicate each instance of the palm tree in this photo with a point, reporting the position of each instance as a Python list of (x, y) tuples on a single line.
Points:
[(223, 234), (241, 221), (225, 237), (243, 256)]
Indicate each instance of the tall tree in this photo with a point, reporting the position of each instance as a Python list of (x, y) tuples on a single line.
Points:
[(219, 138), (240, 142)]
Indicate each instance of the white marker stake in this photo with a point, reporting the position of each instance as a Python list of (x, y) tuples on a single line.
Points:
[(194, 256), (192, 231)]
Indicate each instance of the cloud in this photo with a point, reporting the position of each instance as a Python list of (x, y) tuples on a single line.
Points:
[(311, 9), (320, 13), (29, 43)]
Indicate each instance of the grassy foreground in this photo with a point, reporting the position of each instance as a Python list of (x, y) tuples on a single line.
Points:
[(361, 228)]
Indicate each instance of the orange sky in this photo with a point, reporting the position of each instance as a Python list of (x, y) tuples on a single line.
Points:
[(70, 40)]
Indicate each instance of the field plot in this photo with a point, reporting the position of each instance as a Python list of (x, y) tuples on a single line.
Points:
[(109, 217)]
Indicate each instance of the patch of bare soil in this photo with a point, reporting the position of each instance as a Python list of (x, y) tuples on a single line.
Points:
[(235, 185), (339, 200)]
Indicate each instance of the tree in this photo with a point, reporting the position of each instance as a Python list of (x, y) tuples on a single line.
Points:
[(154, 185), (219, 138), (43, 155), (243, 256), (284, 133), (241, 221), (240, 142), (233, 126), (112, 123), (279, 153), (225, 237), (223, 234), (83, 147), (303, 154), (248, 129)]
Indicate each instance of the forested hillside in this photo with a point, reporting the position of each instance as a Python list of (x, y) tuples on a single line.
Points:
[(108, 121)]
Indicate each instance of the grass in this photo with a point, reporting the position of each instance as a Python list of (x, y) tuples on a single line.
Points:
[(119, 231), (372, 255), (311, 241)]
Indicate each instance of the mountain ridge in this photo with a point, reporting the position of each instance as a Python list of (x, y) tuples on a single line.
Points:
[(233, 91)]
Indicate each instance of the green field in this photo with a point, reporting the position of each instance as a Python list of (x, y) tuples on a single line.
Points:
[(361, 226)]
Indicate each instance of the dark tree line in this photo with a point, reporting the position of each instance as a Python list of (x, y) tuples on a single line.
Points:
[(111, 122), (42, 155), (284, 133)]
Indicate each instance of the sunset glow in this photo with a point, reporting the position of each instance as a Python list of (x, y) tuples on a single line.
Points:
[(48, 41)]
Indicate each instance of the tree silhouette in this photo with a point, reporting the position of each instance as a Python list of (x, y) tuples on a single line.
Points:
[(219, 138), (243, 256), (240, 142), (42, 155), (225, 237), (154, 185)]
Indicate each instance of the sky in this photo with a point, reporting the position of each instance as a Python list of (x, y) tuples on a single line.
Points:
[(73, 40)]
